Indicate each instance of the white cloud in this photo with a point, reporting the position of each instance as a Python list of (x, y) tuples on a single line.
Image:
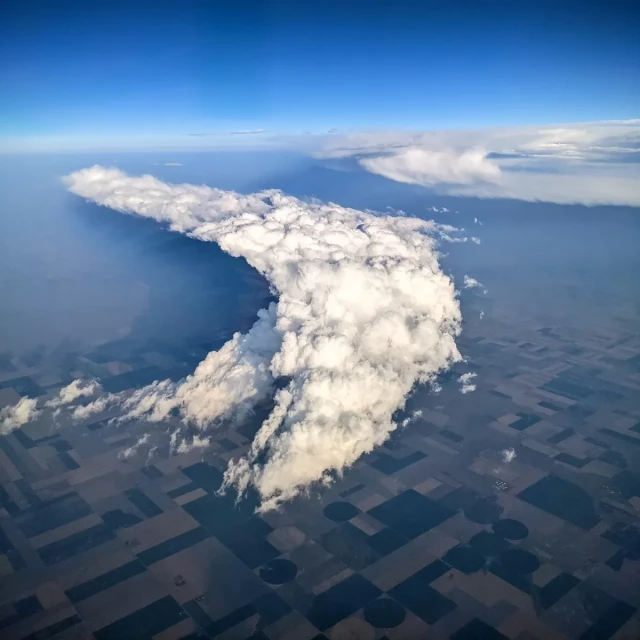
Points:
[(429, 167), (197, 442), (472, 283), (466, 386), (247, 132), (412, 418), (77, 389), (508, 455), (364, 312), (173, 164), (82, 412), (14, 416), (587, 163), (129, 452)]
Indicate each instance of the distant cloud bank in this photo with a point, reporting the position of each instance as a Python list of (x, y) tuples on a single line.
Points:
[(591, 163)]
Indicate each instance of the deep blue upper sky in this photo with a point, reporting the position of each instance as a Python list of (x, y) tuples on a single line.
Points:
[(98, 71)]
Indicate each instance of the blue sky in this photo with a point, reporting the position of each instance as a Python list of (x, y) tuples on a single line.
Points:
[(82, 72)]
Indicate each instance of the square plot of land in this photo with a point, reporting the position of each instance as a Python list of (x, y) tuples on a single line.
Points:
[(562, 499), (426, 602), (477, 630), (411, 514), (340, 601)]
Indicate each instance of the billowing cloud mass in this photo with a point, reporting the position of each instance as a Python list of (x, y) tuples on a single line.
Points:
[(364, 312), (17, 415), (588, 163)]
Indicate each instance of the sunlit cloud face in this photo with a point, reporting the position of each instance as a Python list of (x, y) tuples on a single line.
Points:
[(588, 163), (75, 390), (415, 165), (364, 313), (14, 416)]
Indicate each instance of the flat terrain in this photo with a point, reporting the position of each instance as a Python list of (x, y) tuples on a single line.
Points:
[(437, 534)]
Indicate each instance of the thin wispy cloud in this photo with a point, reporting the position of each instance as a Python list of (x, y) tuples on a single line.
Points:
[(237, 132), (248, 132)]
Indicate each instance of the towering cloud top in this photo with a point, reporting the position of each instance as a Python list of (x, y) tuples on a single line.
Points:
[(364, 312)]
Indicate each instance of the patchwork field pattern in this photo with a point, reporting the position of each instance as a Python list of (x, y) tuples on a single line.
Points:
[(439, 534)]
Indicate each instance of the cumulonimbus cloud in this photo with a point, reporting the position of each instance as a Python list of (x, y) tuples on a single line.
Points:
[(364, 312)]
